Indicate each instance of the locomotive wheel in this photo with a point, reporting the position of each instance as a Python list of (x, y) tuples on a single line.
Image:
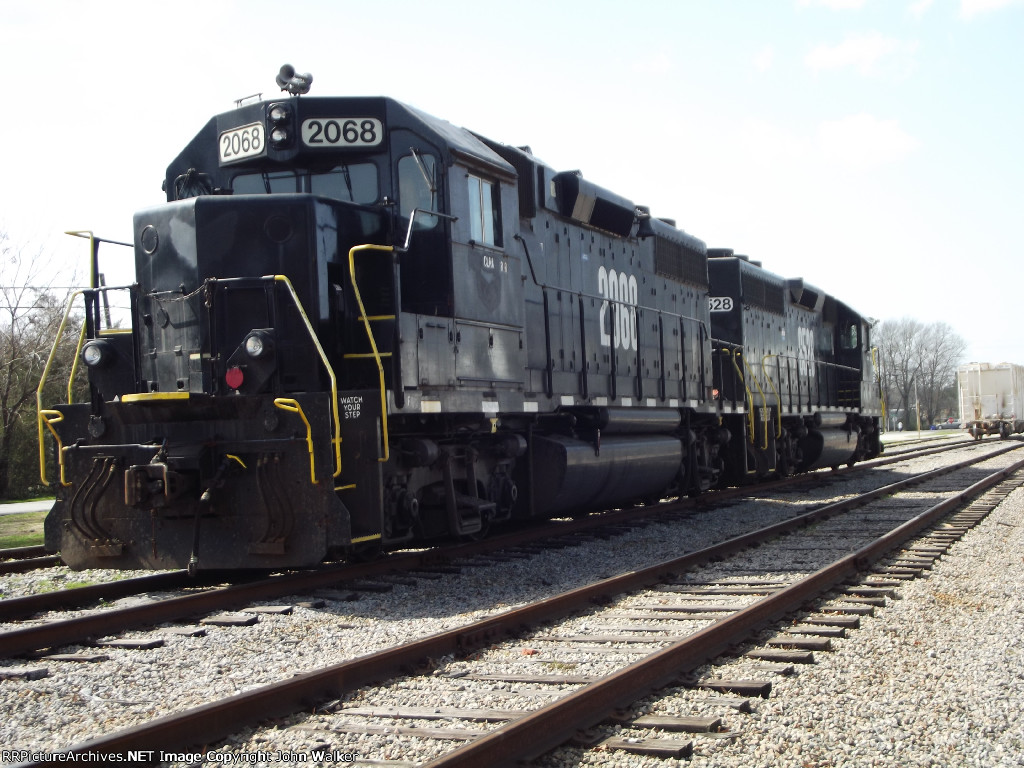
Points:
[(485, 529)]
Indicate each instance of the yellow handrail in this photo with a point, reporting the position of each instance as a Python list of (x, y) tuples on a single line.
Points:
[(50, 418), (778, 397), (42, 383), (375, 354), (74, 363), (87, 234), (750, 396), (764, 402), (336, 440), (287, 404), (878, 378)]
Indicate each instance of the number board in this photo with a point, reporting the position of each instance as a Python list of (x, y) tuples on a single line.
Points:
[(334, 132), (720, 303), (242, 143)]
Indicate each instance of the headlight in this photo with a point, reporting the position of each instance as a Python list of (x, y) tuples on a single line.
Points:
[(258, 344), (280, 121), (97, 353)]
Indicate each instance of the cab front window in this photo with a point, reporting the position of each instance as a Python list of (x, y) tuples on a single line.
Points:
[(349, 182), (268, 183)]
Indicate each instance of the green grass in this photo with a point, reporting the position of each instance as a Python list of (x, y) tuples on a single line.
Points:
[(21, 530), (57, 584)]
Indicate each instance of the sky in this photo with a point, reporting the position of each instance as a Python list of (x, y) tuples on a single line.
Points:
[(871, 147)]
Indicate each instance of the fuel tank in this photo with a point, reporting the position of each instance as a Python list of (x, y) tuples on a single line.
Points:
[(828, 444), (569, 474), (636, 420)]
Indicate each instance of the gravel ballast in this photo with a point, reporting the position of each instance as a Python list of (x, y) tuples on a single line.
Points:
[(935, 679)]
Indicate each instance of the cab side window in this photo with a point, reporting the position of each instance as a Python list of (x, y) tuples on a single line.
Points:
[(850, 338), (484, 211)]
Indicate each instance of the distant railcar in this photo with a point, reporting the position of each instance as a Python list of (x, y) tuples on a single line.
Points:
[(356, 326), (991, 398)]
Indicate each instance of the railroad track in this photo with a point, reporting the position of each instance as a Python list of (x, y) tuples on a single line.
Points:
[(942, 436), (22, 559), (692, 633), (208, 594)]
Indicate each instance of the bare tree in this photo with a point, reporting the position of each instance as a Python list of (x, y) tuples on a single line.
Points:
[(918, 365), (30, 314), (941, 351)]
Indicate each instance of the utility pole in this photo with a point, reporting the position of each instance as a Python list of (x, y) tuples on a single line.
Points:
[(917, 405)]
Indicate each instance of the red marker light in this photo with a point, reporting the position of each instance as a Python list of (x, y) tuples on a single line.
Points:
[(234, 377)]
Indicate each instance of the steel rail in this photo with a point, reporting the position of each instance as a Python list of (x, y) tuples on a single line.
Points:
[(15, 553), (554, 724), (551, 725), (63, 599), (29, 564)]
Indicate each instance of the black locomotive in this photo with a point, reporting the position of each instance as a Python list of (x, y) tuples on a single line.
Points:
[(355, 325)]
